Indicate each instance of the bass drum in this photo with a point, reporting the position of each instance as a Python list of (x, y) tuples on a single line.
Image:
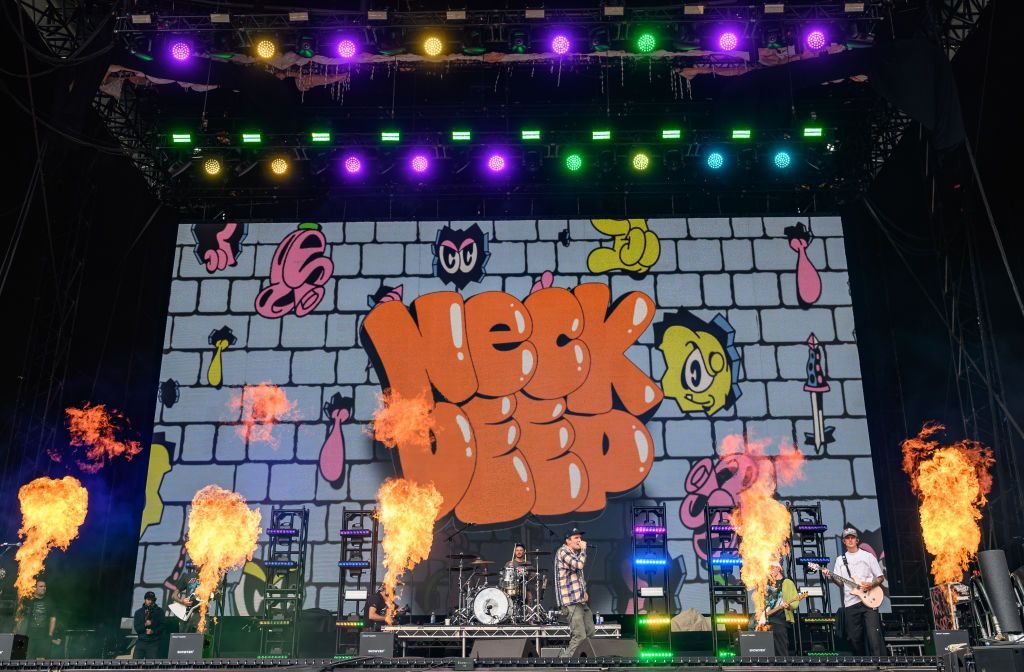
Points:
[(491, 606)]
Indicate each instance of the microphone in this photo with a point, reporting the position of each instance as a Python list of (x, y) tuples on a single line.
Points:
[(17, 543), (590, 545)]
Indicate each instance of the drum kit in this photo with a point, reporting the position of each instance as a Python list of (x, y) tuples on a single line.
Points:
[(514, 598)]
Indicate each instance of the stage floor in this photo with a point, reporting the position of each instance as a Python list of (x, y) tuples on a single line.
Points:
[(357, 664)]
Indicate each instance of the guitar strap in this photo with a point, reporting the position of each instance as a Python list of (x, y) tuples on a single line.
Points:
[(849, 572)]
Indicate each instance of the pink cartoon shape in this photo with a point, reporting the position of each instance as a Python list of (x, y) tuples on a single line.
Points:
[(808, 282), (711, 483), (545, 280), (218, 244), (332, 454), (299, 270)]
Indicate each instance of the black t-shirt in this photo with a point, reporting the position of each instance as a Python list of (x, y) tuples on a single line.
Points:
[(39, 614), (377, 601), (187, 584)]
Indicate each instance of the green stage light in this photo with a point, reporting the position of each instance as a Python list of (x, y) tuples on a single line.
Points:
[(320, 136), (646, 43), (530, 135), (601, 135), (462, 136), (671, 134), (741, 134), (181, 138), (573, 163), (813, 132), (390, 136), (252, 138), (641, 161)]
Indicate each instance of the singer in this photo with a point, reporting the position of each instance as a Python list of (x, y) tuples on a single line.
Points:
[(570, 561)]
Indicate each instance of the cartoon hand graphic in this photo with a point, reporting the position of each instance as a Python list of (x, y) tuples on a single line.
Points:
[(635, 248)]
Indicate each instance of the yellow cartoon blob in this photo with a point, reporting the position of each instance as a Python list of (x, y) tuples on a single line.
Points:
[(702, 364), (159, 464), (635, 248)]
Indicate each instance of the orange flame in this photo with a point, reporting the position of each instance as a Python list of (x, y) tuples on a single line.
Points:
[(52, 510), (222, 534), (761, 521), (407, 511), (403, 421), (262, 407), (952, 483), (96, 428)]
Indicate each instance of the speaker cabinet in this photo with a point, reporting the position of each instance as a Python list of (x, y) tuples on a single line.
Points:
[(377, 644), (520, 647), (1006, 658), (186, 646), (598, 648), (946, 638), (757, 644), (13, 647)]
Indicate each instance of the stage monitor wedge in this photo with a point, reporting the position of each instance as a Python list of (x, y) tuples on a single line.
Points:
[(518, 647)]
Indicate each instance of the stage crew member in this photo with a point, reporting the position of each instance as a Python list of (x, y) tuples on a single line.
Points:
[(149, 626), (37, 620), (571, 586), (863, 624), (781, 591)]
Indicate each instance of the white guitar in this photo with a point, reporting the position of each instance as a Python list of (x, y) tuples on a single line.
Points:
[(871, 598), (181, 612), (763, 619)]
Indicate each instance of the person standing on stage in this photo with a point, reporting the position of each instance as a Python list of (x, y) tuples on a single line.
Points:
[(781, 590), (149, 626), (571, 586), (863, 624), (185, 594), (37, 620)]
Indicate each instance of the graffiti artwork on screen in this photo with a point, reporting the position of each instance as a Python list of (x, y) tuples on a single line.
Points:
[(545, 349)]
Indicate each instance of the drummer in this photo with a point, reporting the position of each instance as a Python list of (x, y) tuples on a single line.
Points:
[(518, 557), (522, 565)]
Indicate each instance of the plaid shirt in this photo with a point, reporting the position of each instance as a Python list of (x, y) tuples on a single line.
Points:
[(569, 580)]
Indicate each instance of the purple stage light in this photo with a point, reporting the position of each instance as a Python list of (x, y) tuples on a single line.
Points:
[(353, 165), (560, 44), (347, 48), (496, 162), (728, 41), (419, 163), (815, 40), (180, 50)]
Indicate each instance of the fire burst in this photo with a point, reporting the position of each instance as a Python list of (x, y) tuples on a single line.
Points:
[(403, 421), (952, 483), (762, 521), (52, 510), (222, 534), (95, 428), (407, 511), (262, 407)]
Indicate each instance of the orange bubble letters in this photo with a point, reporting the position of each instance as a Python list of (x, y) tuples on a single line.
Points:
[(538, 408)]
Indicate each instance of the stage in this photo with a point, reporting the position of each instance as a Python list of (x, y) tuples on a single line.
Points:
[(425, 635), (704, 663)]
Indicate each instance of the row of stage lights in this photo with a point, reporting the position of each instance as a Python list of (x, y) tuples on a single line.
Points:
[(181, 48), (497, 162)]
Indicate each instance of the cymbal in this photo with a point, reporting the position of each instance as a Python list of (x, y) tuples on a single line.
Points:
[(462, 556), (538, 552), (481, 561)]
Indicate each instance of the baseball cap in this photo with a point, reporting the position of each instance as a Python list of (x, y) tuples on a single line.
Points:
[(573, 532), (850, 532)]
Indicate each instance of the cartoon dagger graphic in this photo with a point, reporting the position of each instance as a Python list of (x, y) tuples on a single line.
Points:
[(817, 386)]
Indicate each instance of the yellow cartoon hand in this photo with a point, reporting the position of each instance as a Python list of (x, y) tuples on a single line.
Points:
[(634, 248)]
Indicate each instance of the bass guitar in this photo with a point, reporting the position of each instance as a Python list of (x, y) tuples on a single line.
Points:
[(871, 598)]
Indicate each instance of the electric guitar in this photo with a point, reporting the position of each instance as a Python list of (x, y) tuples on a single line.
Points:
[(870, 598), (763, 619), (181, 612)]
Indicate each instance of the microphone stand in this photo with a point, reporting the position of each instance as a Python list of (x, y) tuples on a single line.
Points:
[(457, 532)]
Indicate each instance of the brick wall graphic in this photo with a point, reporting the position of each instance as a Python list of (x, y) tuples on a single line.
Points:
[(574, 366)]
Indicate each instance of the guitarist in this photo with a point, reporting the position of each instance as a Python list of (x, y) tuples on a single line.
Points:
[(185, 594), (377, 607), (781, 593), (863, 624)]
